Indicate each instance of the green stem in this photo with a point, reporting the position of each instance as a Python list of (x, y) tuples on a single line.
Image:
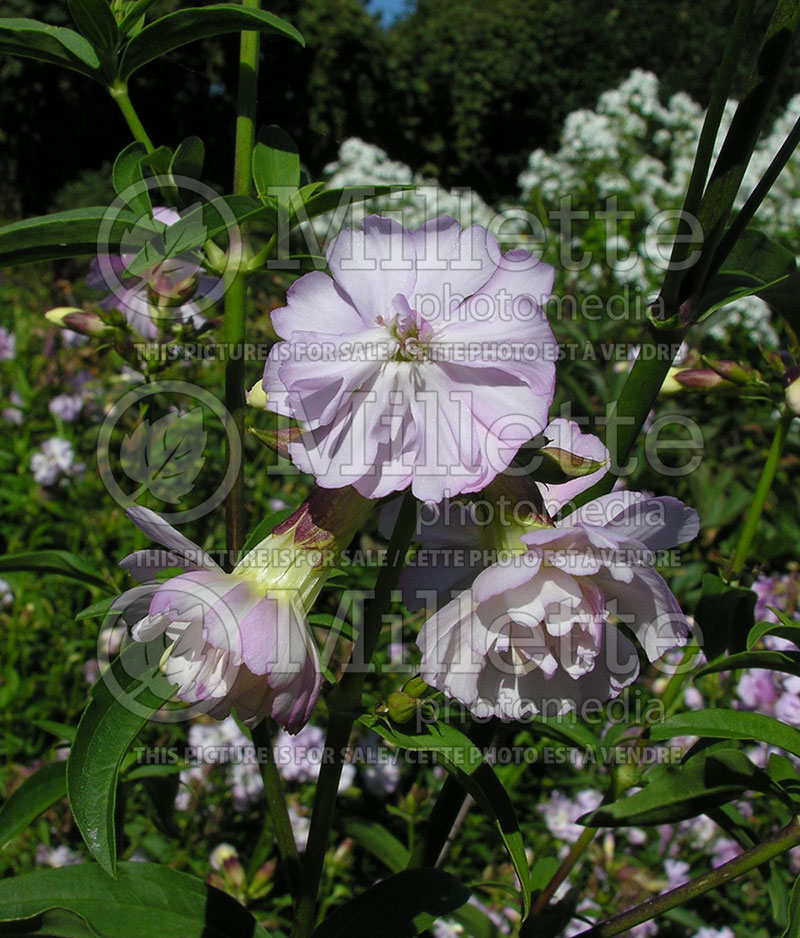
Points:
[(344, 703), (759, 499), (236, 295), (119, 92), (779, 843), (276, 805), (576, 852), (447, 807)]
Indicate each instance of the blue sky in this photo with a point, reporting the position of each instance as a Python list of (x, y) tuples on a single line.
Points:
[(391, 9)]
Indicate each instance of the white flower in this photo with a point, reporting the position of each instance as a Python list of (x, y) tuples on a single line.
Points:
[(6, 593), (55, 457), (66, 406), (8, 344)]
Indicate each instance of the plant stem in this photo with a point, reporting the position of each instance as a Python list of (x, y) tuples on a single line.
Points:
[(344, 702), (779, 843), (576, 852), (276, 804), (236, 295), (431, 849), (760, 497), (119, 92)]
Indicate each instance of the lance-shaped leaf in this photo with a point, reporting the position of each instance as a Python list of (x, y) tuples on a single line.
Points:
[(401, 906), (35, 795), (462, 758), (58, 562), (54, 44), (133, 22), (122, 701), (331, 200), (676, 792), (786, 661), (74, 233), (96, 21), (755, 266), (145, 900), (719, 723), (166, 456), (785, 628), (184, 26), (375, 839)]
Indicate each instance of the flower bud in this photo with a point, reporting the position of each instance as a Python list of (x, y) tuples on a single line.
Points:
[(401, 706), (78, 320), (699, 379), (415, 687), (261, 883), (792, 384), (257, 396), (733, 371)]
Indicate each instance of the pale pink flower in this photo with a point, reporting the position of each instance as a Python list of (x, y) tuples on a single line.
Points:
[(425, 360), (453, 536), (561, 813), (240, 639), (757, 691), (536, 634)]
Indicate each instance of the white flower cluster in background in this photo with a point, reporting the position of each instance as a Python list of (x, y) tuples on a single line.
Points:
[(363, 164), (639, 151)]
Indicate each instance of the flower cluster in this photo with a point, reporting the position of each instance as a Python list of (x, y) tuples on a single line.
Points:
[(424, 361)]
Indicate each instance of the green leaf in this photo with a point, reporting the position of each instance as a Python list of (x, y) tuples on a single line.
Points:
[(331, 199), (719, 723), (187, 25), (786, 661), (786, 628), (59, 730), (194, 229), (54, 44), (401, 906), (36, 794), (122, 701), (57, 562), (793, 928), (462, 758), (73, 233), (133, 21), (188, 159), (724, 616), (567, 729), (276, 163), (755, 265), (128, 178), (376, 840), (145, 900), (96, 21), (677, 792), (101, 608)]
